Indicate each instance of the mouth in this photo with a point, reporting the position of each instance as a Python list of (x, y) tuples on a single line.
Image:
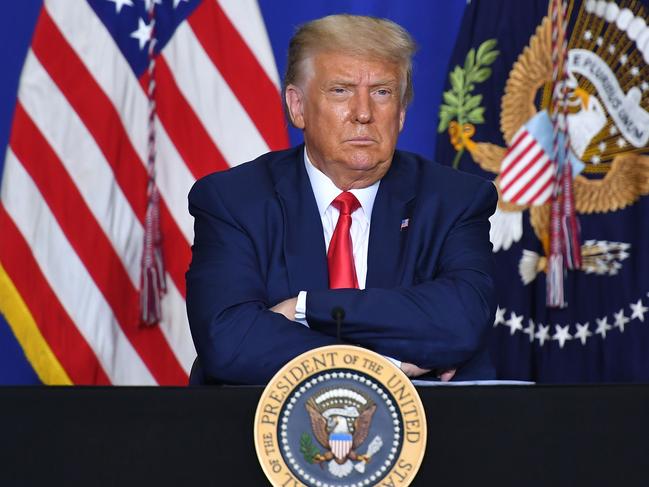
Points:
[(361, 141)]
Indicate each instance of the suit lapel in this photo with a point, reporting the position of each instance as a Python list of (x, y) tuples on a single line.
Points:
[(393, 207), (304, 247)]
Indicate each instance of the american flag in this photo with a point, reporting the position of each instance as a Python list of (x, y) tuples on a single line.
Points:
[(528, 174), (74, 189)]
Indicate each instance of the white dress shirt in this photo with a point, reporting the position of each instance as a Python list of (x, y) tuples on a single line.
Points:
[(325, 191)]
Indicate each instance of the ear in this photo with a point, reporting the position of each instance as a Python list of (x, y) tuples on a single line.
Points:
[(294, 98), (402, 118)]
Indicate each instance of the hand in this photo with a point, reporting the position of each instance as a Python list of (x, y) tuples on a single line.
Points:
[(412, 370), (447, 375), (286, 308)]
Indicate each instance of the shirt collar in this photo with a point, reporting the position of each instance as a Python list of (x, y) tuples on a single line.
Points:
[(325, 191)]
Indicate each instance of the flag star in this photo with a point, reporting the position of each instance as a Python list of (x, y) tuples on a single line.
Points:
[(624, 245), (638, 310), (615, 267), (621, 142), (143, 32), (622, 255), (500, 315), (514, 323), (602, 326), (529, 330), (543, 334), (613, 130), (644, 85), (599, 41), (602, 146), (177, 2), (623, 59), (561, 334), (588, 35), (595, 160), (583, 333), (590, 243), (611, 48), (621, 320), (120, 3), (635, 71)]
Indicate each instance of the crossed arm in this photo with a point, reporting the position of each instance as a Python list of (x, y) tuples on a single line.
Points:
[(241, 337)]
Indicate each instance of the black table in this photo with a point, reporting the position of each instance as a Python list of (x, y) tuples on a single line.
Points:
[(500, 436)]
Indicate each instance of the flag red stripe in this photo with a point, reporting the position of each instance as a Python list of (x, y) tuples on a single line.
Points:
[(241, 70), (518, 158), (525, 169), (517, 139), (529, 184), (185, 129), (102, 121), (93, 248), (541, 190), (56, 326)]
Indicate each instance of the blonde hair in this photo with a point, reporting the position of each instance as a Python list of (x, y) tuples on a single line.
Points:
[(360, 35)]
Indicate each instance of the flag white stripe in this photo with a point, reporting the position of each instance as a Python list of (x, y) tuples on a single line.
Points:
[(538, 184), (519, 171), (223, 116), (247, 19), (60, 265), (529, 175), (175, 326), (511, 156), (174, 181), (84, 162), (543, 197)]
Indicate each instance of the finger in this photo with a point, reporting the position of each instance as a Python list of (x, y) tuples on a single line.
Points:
[(447, 375)]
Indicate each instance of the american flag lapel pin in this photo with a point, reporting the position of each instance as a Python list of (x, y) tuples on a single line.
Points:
[(404, 224)]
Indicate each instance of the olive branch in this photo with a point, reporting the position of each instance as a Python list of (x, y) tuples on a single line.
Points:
[(459, 103), (307, 448)]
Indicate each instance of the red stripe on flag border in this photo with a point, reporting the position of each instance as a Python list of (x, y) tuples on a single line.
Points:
[(64, 339), (93, 248), (241, 70), (102, 120)]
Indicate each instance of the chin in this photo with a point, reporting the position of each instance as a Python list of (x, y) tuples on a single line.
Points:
[(364, 160)]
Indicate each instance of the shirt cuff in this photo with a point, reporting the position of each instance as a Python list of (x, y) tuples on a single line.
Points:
[(394, 361), (300, 308)]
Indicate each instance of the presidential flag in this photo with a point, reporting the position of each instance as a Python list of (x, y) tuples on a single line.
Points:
[(111, 93), (494, 121)]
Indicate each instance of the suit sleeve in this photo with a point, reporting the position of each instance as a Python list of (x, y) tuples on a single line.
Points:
[(438, 323), (237, 338)]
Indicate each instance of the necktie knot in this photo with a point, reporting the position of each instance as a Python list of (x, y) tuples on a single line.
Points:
[(346, 203)]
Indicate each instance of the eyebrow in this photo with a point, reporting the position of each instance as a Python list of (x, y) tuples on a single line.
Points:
[(346, 82)]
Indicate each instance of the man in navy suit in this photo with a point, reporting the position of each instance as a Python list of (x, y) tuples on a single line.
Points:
[(401, 244)]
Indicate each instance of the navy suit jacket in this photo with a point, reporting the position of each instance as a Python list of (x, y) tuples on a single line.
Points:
[(429, 297)]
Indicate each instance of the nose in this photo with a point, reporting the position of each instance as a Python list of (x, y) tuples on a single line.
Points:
[(362, 106)]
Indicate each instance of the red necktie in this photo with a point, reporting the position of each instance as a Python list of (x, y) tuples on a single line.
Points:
[(342, 271)]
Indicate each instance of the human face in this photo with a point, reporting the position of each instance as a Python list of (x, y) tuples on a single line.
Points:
[(351, 113)]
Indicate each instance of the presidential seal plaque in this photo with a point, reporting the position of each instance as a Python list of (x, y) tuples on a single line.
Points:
[(340, 416)]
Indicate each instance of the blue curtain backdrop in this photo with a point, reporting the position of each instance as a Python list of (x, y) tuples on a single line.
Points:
[(433, 23)]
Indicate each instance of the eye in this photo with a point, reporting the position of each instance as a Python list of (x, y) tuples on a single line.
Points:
[(338, 90), (383, 92)]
